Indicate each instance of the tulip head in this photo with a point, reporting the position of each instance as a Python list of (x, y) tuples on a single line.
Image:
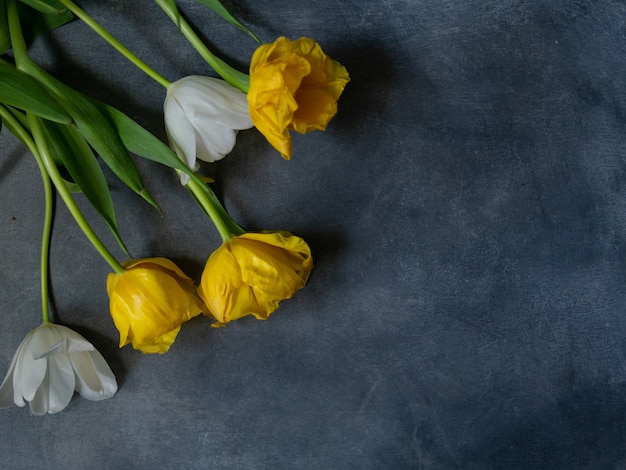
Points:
[(49, 365), (150, 301), (252, 273), (294, 85), (202, 117)]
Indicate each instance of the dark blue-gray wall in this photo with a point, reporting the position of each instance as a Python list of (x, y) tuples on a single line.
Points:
[(467, 214)]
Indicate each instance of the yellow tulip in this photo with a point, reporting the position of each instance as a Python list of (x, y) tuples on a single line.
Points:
[(149, 302), (294, 85), (252, 273)]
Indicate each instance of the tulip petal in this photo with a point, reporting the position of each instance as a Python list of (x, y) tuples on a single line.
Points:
[(61, 382), (39, 403), (32, 368), (65, 346), (94, 378), (294, 85), (6, 389), (252, 273), (10, 390), (212, 98), (15, 369), (215, 143), (57, 388), (149, 301), (202, 115), (29, 372), (43, 371), (181, 136)]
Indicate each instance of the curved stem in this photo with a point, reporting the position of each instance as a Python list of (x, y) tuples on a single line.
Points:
[(104, 34), (45, 242), (231, 75), (206, 196), (18, 44), (42, 153), (222, 227), (23, 135)]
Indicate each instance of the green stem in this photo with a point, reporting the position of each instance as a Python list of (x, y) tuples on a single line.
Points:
[(200, 194), (231, 75), (208, 194), (6, 115), (43, 153), (18, 44), (45, 242), (48, 168), (96, 27), (22, 59)]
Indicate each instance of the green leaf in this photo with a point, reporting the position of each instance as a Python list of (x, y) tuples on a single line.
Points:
[(68, 146), (50, 7), (142, 142), (19, 90), (98, 130), (221, 10), (34, 23), (38, 23), (5, 38)]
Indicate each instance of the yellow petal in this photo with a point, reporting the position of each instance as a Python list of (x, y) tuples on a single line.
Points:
[(252, 273), (150, 301), (294, 85)]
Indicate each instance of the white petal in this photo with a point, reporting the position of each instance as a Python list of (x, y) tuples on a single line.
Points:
[(212, 99), (45, 337), (39, 403), (180, 133), (6, 389), (56, 389), (60, 383), (202, 115), (15, 370), (49, 365), (30, 372), (31, 366), (70, 342), (214, 143), (94, 378)]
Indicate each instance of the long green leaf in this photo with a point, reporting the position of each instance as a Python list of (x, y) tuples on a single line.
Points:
[(67, 145), (5, 37), (18, 89), (20, 117), (51, 7), (97, 129), (221, 10), (34, 23), (143, 143), (37, 23)]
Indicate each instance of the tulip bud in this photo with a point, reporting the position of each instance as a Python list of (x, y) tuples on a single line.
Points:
[(252, 273), (294, 85), (150, 301), (202, 117)]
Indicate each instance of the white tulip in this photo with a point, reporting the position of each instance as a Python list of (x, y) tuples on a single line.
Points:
[(202, 117), (49, 365)]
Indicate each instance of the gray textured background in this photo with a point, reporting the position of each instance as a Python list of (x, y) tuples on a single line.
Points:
[(466, 209)]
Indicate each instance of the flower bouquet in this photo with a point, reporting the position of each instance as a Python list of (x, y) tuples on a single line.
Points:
[(291, 85)]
